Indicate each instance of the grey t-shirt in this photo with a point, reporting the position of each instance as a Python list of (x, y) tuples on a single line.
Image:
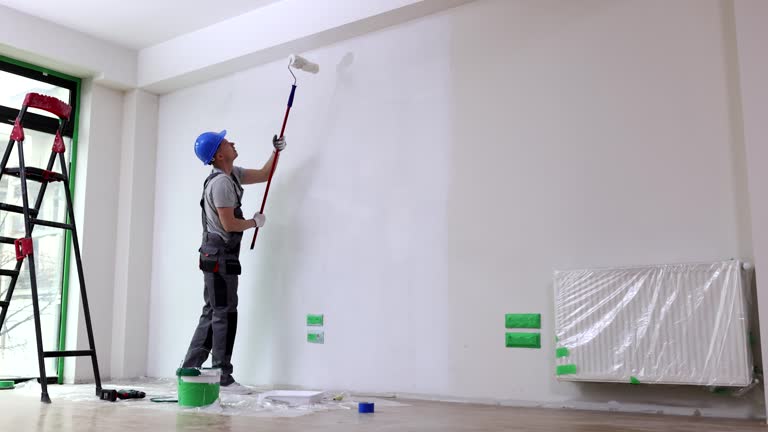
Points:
[(222, 191)]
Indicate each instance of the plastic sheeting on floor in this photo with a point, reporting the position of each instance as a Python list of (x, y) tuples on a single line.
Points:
[(228, 404)]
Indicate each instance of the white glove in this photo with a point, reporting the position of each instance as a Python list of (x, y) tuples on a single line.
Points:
[(278, 143), (260, 220)]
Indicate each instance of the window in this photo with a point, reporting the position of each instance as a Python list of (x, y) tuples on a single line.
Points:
[(18, 349)]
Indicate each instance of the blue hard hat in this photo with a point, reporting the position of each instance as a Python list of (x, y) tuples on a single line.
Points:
[(207, 144)]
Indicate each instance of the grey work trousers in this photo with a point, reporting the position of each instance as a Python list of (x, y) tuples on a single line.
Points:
[(217, 326)]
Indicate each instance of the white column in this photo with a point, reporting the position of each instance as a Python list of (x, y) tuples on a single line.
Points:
[(133, 246)]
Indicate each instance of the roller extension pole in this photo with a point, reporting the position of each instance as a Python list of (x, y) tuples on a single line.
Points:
[(305, 65), (274, 163)]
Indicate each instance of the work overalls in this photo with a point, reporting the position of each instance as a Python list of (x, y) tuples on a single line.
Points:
[(220, 263)]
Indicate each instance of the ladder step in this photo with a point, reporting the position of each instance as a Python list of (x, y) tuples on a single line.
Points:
[(17, 209), (12, 273), (4, 304), (35, 174), (7, 240), (50, 224), (50, 354)]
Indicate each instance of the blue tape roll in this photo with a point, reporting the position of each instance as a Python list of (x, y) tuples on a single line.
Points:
[(365, 407)]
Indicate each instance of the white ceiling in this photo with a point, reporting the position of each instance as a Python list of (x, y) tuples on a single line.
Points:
[(135, 24)]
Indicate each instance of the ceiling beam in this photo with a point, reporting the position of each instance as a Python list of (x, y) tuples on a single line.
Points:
[(268, 34)]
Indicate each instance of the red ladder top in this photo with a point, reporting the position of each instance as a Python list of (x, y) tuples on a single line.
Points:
[(48, 103)]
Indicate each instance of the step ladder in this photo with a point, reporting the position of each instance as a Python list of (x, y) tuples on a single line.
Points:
[(24, 246)]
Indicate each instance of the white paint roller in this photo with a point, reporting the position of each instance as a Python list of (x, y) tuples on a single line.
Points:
[(299, 62)]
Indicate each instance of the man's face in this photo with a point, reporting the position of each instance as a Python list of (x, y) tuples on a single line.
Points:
[(227, 151)]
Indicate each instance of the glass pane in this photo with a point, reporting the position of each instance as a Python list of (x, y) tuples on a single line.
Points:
[(18, 350), (14, 88)]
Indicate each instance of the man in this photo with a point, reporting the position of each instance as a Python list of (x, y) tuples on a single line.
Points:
[(223, 226)]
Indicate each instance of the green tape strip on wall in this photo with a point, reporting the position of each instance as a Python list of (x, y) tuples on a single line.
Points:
[(315, 320), (531, 321), (316, 337), (562, 352), (523, 340), (569, 369), (634, 380)]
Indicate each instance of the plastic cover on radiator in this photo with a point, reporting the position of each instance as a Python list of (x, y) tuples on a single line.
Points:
[(666, 324)]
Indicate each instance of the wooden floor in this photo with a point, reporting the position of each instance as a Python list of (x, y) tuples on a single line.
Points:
[(23, 413)]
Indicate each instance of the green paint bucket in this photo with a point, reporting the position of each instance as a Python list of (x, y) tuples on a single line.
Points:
[(7, 385), (198, 387)]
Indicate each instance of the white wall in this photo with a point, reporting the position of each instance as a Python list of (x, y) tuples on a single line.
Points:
[(95, 203), (438, 171)]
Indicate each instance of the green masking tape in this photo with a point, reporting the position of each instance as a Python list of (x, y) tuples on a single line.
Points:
[(7, 385), (315, 320), (523, 340), (562, 352), (633, 380), (316, 337), (569, 369), (531, 321)]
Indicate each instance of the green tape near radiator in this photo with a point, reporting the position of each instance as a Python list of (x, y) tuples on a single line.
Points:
[(562, 352), (532, 321), (634, 380), (569, 369), (523, 340)]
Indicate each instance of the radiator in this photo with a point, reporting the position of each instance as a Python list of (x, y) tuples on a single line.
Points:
[(666, 324)]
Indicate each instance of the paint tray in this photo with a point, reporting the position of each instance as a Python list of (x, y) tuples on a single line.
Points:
[(292, 397)]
